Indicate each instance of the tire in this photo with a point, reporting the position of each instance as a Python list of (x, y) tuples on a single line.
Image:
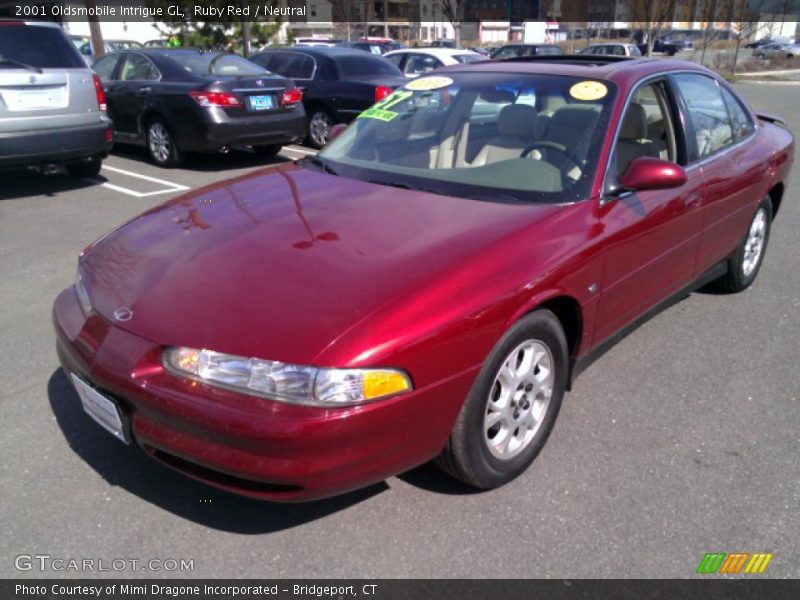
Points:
[(268, 151), (161, 146), (488, 446), (746, 261), (318, 128), (86, 169)]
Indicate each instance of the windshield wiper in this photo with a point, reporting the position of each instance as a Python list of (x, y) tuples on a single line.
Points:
[(318, 162), (11, 61)]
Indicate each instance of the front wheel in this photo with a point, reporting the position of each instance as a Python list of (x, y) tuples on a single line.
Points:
[(745, 263), (319, 127), (512, 406)]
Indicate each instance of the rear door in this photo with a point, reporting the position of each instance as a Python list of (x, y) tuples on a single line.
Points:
[(134, 90), (44, 82)]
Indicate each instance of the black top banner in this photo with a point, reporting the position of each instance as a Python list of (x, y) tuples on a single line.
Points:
[(397, 12)]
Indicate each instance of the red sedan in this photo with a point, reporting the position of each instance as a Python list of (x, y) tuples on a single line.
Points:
[(430, 284)]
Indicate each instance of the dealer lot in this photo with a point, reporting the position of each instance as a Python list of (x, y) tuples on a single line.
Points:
[(680, 441)]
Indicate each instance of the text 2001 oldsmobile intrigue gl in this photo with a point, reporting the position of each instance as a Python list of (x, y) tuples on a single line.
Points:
[(430, 283)]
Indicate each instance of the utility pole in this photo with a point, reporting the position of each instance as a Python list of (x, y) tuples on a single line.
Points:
[(245, 32)]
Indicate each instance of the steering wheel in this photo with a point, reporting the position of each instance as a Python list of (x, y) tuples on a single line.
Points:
[(561, 149)]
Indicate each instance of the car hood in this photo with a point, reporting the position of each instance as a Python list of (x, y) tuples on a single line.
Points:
[(279, 263)]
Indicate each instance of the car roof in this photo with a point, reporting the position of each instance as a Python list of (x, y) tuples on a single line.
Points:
[(437, 52), (332, 51), (617, 69)]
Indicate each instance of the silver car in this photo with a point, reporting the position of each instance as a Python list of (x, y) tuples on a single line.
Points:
[(52, 106), (777, 51)]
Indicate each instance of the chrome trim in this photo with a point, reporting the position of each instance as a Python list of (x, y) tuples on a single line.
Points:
[(264, 89)]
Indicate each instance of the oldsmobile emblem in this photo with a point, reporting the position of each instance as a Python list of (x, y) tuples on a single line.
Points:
[(123, 313), (32, 79)]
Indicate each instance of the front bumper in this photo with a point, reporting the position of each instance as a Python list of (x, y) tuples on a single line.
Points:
[(216, 129), (54, 146), (253, 446)]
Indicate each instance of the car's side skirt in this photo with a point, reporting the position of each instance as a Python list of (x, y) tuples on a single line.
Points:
[(580, 364)]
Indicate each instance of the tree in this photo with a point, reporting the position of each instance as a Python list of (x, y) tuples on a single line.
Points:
[(345, 14), (651, 16), (98, 46), (453, 11)]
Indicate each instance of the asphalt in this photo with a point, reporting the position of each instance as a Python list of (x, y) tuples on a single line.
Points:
[(682, 440)]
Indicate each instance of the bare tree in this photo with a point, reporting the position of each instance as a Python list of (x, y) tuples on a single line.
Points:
[(651, 17), (344, 14), (453, 11)]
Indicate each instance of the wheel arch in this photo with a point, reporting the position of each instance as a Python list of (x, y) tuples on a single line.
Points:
[(776, 196)]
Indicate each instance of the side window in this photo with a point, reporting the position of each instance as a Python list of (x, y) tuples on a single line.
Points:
[(105, 66), (138, 68), (741, 121), (417, 64), (707, 113), (634, 50), (646, 128), (618, 50), (396, 59)]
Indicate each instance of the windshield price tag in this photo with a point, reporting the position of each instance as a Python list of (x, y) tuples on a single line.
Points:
[(378, 113), (429, 83)]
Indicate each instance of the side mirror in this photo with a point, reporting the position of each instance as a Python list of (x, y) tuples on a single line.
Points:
[(646, 173), (336, 131)]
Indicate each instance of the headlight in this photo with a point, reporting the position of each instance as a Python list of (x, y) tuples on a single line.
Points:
[(289, 383), (83, 293)]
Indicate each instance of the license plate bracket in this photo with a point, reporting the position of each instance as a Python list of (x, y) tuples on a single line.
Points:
[(262, 102), (105, 411)]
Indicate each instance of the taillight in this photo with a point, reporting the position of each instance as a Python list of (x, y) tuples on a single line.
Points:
[(98, 90), (224, 99), (381, 92), (291, 97)]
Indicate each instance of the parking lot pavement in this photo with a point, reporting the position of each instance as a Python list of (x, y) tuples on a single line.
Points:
[(680, 441)]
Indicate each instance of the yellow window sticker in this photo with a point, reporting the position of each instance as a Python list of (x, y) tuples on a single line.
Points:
[(428, 83), (378, 113), (588, 90)]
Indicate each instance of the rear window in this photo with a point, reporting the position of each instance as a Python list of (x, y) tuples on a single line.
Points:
[(468, 58), (40, 47), (214, 64), (288, 64), (356, 66)]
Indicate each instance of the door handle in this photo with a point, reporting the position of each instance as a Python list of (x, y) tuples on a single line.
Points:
[(146, 89), (693, 200)]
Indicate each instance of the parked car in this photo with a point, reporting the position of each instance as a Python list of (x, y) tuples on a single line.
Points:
[(766, 41), (659, 45), (84, 45), (337, 83), (316, 41), (443, 44), (777, 51), (387, 43), (418, 61), (52, 107), (124, 44), (430, 284), (523, 50), (157, 43), (479, 50), (613, 49), (177, 101), (371, 47)]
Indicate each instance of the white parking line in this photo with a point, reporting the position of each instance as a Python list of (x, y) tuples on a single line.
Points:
[(299, 150), (172, 187)]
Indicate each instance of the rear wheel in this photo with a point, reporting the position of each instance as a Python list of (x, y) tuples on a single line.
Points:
[(85, 169), (512, 405), (268, 151), (319, 126), (161, 145), (744, 265)]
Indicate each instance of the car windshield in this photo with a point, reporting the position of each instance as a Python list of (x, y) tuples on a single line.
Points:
[(503, 137), (214, 64)]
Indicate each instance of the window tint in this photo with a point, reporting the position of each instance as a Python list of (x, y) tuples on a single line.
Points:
[(214, 64), (618, 50), (549, 50), (42, 47), (138, 68), (506, 52), (634, 50), (355, 66), (707, 113), (105, 66), (742, 124), (291, 64), (417, 64), (469, 58)]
